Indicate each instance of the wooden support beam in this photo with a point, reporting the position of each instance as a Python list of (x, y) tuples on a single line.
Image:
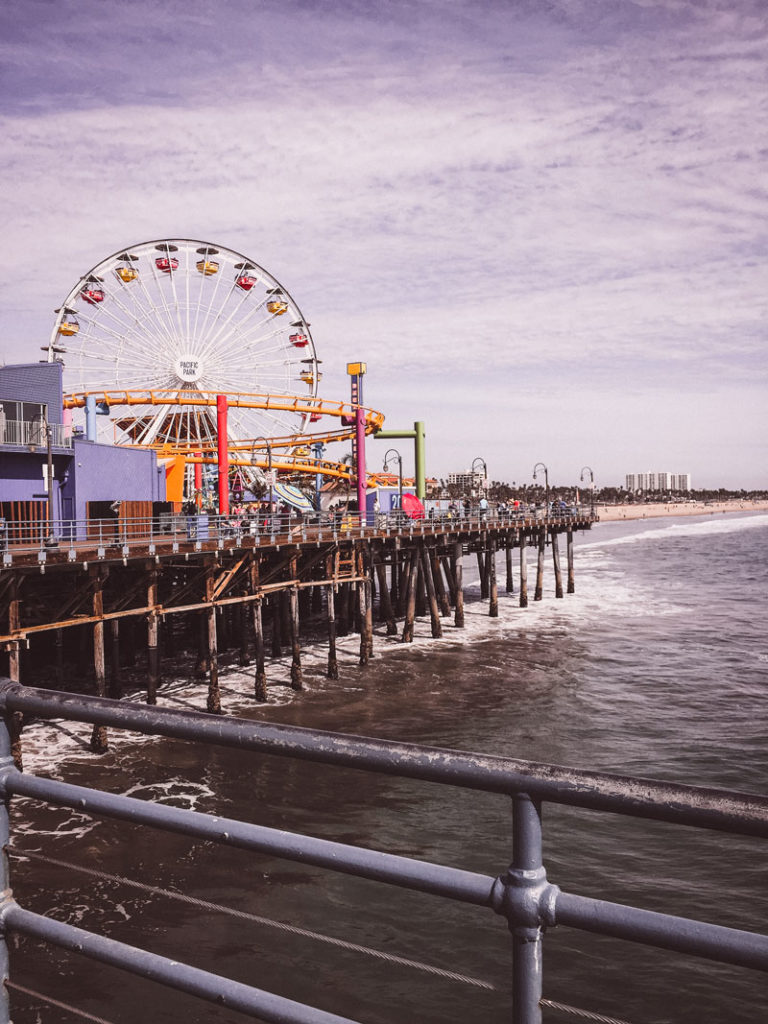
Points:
[(556, 564), (14, 669), (153, 635), (483, 573), (508, 548), (493, 590), (437, 579), (539, 591), (99, 740), (523, 570), (214, 694), (385, 601), (115, 678), (296, 675), (410, 597), (457, 566), (569, 555), (260, 676)]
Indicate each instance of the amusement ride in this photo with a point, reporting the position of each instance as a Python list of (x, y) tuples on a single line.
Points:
[(165, 334)]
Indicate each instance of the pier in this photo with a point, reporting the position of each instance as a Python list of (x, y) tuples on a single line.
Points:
[(114, 591)]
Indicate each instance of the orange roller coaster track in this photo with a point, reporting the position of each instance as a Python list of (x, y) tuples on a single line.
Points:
[(203, 448)]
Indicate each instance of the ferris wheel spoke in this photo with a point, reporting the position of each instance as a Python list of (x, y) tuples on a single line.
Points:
[(213, 339), (237, 340), (127, 297), (144, 327), (100, 327), (163, 301), (249, 327)]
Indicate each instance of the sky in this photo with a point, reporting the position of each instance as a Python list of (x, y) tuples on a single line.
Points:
[(540, 223)]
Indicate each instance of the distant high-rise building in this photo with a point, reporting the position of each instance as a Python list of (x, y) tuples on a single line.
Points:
[(659, 481)]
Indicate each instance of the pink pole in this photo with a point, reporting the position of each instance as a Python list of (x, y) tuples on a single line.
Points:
[(360, 445), (198, 495), (223, 453)]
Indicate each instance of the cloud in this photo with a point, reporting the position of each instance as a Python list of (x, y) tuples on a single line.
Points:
[(562, 191)]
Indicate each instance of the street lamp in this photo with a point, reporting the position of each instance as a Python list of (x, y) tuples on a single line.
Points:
[(485, 471), (546, 484), (268, 447), (591, 488), (394, 452), (50, 540)]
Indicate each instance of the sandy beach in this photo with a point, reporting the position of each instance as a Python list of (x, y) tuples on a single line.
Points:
[(610, 513)]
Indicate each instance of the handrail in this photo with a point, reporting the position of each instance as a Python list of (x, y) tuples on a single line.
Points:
[(521, 894), (261, 526)]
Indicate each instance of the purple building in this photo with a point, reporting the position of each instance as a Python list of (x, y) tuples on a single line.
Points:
[(88, 477)]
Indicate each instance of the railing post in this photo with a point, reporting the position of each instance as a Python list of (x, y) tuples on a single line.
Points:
[(526, 938), (527, 900)]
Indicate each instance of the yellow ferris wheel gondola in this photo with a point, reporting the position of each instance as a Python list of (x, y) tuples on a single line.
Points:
[(206, 266), (276, 303), (126, 270), (69, 325)]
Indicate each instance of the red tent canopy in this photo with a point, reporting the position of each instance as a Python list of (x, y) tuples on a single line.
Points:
[(412, 507)]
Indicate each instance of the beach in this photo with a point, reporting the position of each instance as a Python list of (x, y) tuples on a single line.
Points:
[(612, 513)]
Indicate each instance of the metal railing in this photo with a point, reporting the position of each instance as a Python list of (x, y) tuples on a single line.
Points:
[(521, 893), (33, 434), (117, 536)]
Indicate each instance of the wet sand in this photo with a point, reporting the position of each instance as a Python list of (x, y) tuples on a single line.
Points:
[(610, 513)]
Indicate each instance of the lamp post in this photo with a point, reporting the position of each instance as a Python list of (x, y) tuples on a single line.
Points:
[(546, 485), (591, 488), (50, 540), (485, 471), (398, 456), (268, 448)]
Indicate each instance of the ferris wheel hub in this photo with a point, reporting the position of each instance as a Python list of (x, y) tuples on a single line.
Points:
[(189, 368)]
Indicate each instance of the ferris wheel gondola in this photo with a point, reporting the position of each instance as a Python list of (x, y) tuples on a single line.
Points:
[(182, 317)]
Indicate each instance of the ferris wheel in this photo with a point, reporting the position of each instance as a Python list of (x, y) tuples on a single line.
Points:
[(181, 317)]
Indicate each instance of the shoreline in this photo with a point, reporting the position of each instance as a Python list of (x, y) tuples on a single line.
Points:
[(614, 513)]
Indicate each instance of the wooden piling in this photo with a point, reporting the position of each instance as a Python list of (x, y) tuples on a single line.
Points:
[(493, 589), (410, 599), (260, 675), (434, 611), (332, 671), (481, 568), (58, 641), (457, 565), (99, 741), (440, 590), (569, 555), (556, 564), (508, 548), (153, 619), (115, 674), (244, 657), (214, 694), (449, 569), (385, 602), (296, 676), (274, 622), (539, 591), (523, 570)]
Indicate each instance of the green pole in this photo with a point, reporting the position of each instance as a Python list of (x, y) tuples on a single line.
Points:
[(420, 461), (421, 473)]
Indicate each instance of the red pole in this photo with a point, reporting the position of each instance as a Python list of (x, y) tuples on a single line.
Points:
[(223, 453)]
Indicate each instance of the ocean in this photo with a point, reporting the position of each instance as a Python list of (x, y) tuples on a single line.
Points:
[(657, 666)]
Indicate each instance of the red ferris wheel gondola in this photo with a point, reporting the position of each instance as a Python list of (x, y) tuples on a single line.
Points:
[(166, 264)]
